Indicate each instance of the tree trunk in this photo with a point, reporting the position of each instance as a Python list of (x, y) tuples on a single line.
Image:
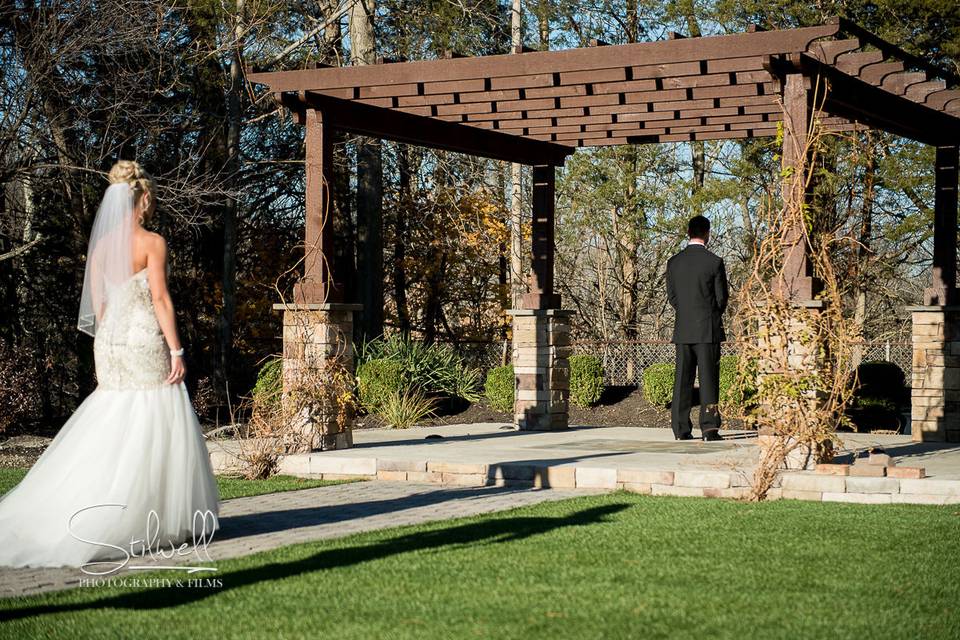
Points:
[(344, 253), (400, 239), (863, 251), (369, 187), (229, 281), (516, 183)]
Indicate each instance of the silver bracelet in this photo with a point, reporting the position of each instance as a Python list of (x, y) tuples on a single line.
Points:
[(178, 352)]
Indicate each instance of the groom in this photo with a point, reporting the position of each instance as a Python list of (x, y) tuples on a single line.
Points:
[(697, 290)]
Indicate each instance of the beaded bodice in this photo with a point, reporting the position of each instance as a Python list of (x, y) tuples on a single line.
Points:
[(129, 349)]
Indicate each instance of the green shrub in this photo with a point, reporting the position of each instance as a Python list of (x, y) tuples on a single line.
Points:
[(499, 388), (266, 391), (433, 368), (403, 409), (876, 403), (586, 380), (736, 386), (377, 379), (658, 383)]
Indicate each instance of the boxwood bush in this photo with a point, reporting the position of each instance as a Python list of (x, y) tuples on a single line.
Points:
[(269, 382), (658, 383), (499, 388), (377, 379), (586, 380)]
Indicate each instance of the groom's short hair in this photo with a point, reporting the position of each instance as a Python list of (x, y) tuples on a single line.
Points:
[(698, 227)]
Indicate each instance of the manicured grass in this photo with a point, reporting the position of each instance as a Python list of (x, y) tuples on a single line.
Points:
[(610, 566), (229, 486), (10, 477)]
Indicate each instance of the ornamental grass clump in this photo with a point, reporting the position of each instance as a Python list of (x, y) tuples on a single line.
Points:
[(435, 369), (407, 408)]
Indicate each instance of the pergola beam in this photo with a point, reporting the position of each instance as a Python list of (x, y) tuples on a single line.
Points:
[(404, 127), (545, 64), (891, 50), (857, 100)]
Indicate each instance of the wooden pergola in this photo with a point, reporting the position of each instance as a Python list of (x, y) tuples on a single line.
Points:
[(538, 107)]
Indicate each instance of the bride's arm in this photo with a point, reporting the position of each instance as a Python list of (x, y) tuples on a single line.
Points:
[(163, 305)]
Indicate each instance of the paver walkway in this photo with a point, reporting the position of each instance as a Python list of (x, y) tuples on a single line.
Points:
[(596, 447), (642, 460), (259, 523)]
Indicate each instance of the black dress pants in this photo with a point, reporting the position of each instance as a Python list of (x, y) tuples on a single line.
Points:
[(690, 358)]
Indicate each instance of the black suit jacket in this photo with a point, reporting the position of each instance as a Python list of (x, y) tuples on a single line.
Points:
[(697, 289)]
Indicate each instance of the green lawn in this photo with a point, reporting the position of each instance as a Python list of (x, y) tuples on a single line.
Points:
[(612, 566), (230, 487)]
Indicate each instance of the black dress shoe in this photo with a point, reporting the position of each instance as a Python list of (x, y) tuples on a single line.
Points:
[(685, 436), (712, 436)]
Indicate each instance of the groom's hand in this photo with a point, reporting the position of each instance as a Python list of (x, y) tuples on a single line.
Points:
[(178, 370)]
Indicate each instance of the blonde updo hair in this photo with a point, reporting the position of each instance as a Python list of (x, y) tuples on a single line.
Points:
[(140, 182)]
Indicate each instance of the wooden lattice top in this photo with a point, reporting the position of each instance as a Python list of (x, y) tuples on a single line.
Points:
[(536, 107)]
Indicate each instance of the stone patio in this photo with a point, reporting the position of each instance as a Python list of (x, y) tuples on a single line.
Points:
[(642, 460)]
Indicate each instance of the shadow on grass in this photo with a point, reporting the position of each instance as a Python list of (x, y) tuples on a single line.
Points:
[(488, 531), (251, 524)]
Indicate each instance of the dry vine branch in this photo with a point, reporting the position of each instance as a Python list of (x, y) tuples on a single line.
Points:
[(796, 354)]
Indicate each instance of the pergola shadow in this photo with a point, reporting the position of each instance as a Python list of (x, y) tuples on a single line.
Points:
[(537, 108), (434, 439)]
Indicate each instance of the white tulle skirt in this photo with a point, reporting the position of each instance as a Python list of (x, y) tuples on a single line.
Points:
[(128, 470)]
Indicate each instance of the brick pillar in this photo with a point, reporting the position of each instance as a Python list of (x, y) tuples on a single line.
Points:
[(935, 395), (541, 348), (316, 336)]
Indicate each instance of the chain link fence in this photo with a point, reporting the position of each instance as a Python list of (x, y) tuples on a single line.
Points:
[(624, 362)]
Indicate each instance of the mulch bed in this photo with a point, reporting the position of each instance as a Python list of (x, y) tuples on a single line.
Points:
[(618, 407)]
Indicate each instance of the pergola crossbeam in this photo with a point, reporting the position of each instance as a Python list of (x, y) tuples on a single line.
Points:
[(398, 126), (857, 100)]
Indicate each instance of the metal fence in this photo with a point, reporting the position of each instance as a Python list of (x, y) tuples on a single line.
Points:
[(624, 362)]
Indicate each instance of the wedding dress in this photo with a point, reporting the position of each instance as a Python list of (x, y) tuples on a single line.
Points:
[(129, 470)]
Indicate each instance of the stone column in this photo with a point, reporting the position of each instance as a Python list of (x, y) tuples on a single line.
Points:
[(799, 351), (541, 348), (318, 345), (935, 394)]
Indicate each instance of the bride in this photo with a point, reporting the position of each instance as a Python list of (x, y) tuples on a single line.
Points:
[(129, 471)]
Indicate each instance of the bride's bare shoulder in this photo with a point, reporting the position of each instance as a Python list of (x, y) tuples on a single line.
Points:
[(154, 241)]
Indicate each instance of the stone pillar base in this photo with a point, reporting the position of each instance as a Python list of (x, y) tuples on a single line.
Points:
[(317, 361), (541, 348), (796, 353), (935, 394)]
